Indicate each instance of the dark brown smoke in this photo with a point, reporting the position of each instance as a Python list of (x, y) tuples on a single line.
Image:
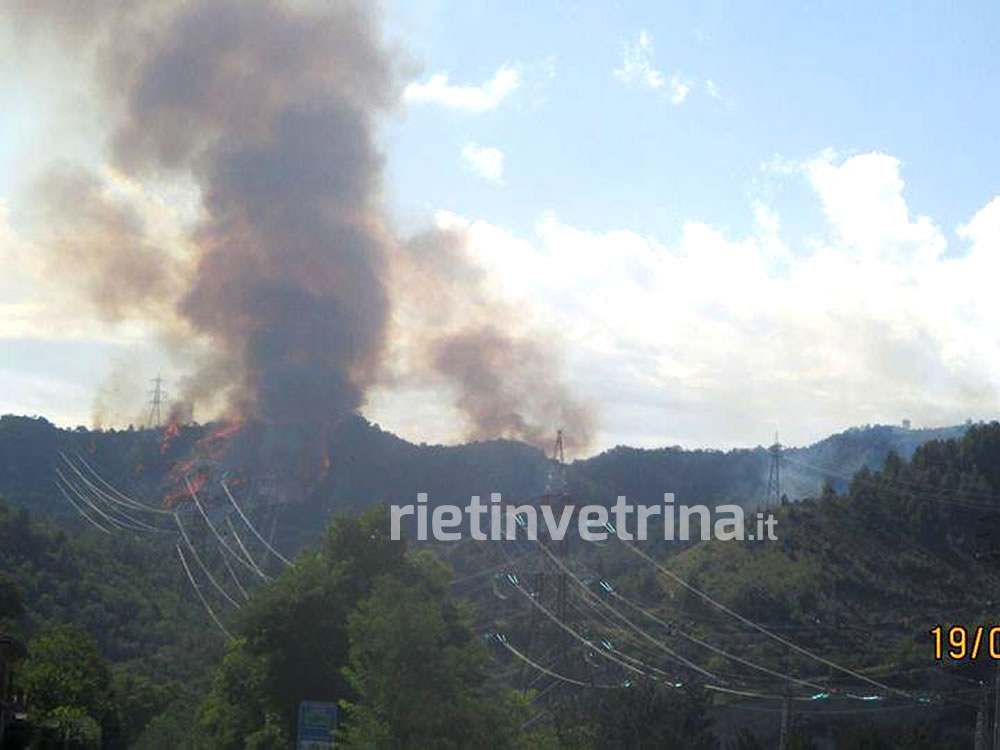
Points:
[(268, 108), (272, 111), (512, 387), (507, 374)]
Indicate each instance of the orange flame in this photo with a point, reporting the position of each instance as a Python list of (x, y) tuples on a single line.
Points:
[(224, 431), (171, 431), (326, 463), (182, 494)]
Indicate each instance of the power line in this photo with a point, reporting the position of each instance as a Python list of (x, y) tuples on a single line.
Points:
[(236, 580), (201, 564), (125, 498), (502, 640), (715, 649), (79, 509), (643, 669), (674, 629), (928, 492), (111, 501), (253, 530), (211, 527), (201, 596), (243, 549), (659, 644), (112, 521), (759, 628), (640, 669)]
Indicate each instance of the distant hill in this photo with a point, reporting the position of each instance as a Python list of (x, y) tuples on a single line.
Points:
[(365, 464), (740, 475), (839, 456)]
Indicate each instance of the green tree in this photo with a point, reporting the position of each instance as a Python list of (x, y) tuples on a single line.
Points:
[(418, 669), (11, 604), (66, 682), (172, 729), (271, 737), (138, 700), (235, 706), (75, 726), (294, 634), (11, 600)]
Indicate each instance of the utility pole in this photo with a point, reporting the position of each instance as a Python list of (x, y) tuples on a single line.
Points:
[(981, 720), (773, 496), (557, 496), (783, 736), (156, 397), (555, 483), (551, 582)]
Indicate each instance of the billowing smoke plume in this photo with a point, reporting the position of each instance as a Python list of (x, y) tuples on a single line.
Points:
[(268, 108), (511, 386), (505, 371), (272, 111)]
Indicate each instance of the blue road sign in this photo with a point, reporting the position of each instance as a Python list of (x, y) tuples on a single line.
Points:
[(317, 721)]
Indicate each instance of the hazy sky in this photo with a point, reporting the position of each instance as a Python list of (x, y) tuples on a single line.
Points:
[(735, 217)]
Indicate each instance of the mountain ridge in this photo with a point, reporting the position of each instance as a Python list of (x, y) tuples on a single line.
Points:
[(363, 456)]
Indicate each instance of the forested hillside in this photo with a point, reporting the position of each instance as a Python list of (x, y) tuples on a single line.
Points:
[(367, 465), (117, 607), (856, 578)]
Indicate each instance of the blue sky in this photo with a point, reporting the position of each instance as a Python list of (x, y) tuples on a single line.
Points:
[(732, 217), (910, 79), (764, 94)]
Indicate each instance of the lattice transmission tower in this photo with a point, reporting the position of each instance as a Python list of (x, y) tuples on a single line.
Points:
[(773, 496), (156, 398)]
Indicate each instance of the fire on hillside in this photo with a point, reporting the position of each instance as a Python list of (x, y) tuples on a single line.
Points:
[(272, 464)]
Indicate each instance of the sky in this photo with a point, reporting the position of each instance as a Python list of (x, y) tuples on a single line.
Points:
[(730, 218)]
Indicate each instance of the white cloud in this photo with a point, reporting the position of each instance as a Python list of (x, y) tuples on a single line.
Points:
[(487, 161), (679, 89), (712, 89), (984, 228), (862, 198), (713, 339), (480, 98), (637, 67), (779, 165)]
